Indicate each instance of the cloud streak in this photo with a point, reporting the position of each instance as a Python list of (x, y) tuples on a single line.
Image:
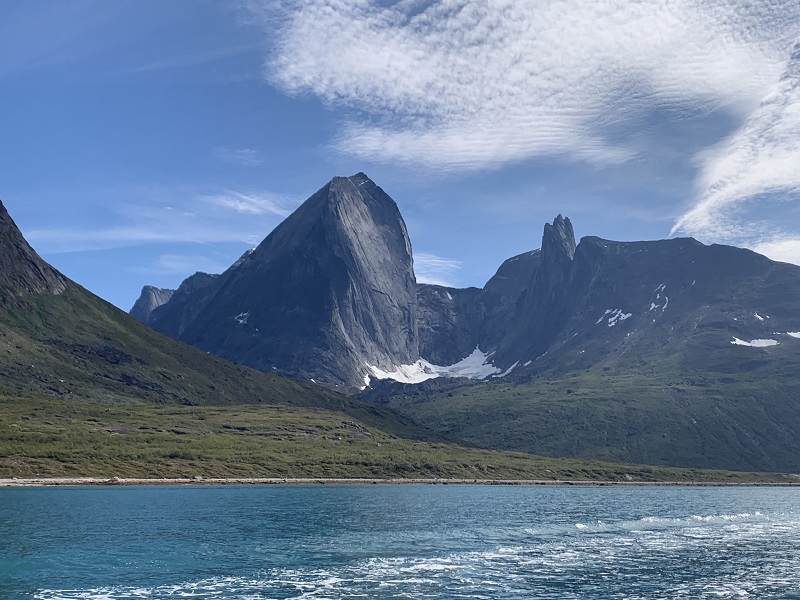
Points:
[(760, 161), (435, 270), (472, 85), (252, 204), (247, 157), (171, 216), (459, 85)]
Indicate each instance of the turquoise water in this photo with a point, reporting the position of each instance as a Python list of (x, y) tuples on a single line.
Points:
[(399, 542)]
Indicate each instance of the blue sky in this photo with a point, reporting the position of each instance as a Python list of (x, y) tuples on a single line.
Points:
[(144, 140)]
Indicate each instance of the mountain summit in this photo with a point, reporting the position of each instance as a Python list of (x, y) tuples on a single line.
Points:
[(328, 292)]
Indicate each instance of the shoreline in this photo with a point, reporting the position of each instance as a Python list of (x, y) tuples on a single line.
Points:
[(234, 481)]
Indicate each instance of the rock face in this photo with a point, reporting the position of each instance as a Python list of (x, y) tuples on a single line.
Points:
[(149, 300), (662, 352), (330, 295), (328, 292), (21, 269)]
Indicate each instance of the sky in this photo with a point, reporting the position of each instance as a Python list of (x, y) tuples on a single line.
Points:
[(144, 140)]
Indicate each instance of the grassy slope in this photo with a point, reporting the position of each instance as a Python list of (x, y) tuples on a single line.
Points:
[(625, 416), (88, 391), (76, 346), (50, 437)]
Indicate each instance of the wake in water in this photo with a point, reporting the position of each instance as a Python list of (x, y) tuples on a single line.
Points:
[(712, 556)]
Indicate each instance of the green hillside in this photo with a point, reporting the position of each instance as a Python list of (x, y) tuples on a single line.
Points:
[(74, 346), (89, 391), (663, 416), (62, 438)]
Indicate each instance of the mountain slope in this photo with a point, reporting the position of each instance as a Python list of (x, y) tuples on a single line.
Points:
[(21, 269), (58, 340), (666, 352)]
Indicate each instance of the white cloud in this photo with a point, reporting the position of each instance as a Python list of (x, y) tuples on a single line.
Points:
[(477, 84), (435, 270), (152, 215), (465, 84), (247, 157), (784, 250), (180, 264), (252, 203), (762, 158)]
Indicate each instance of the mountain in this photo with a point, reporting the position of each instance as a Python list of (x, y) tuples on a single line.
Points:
[(86, 390), (657, 352), (328, 292), (150, 299), (22, 271), (59, 341), (663, 352)]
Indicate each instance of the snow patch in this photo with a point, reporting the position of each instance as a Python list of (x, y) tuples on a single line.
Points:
[(241, 318), (754, 343), (658, 301), (794, 334), (474, 366), (614, 316), (449, 297), (507, 371), (527, 364), (758, 316)]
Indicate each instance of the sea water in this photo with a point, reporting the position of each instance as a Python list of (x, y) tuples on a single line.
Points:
[(399, 541)]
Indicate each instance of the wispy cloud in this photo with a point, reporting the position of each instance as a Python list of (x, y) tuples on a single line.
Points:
[(170, 216), (180, 264), (784, 250), (435, 270), (460, 84), (247, 157), (252, 203), (196, 58), (760, 161)]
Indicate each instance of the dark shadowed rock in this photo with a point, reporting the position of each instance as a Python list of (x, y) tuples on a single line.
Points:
[(328, 292), (21, 269), (149, 300), (448, 321), (184, 305)]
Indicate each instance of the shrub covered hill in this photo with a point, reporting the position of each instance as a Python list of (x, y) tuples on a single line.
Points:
[(86, 390), (665, 352)]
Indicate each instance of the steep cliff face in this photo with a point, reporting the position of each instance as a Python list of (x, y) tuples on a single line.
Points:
[(21, 269), (449, 322), (330, 291), (149, 300)]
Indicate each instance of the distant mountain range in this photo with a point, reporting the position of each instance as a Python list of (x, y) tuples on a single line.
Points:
[(669, 352)]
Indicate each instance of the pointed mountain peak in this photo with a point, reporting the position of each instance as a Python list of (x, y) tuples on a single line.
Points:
[(21, 269), (558, 239), (149, 300), (351, 184)]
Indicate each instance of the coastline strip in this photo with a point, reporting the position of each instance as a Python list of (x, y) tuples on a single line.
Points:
[(196, 481)]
